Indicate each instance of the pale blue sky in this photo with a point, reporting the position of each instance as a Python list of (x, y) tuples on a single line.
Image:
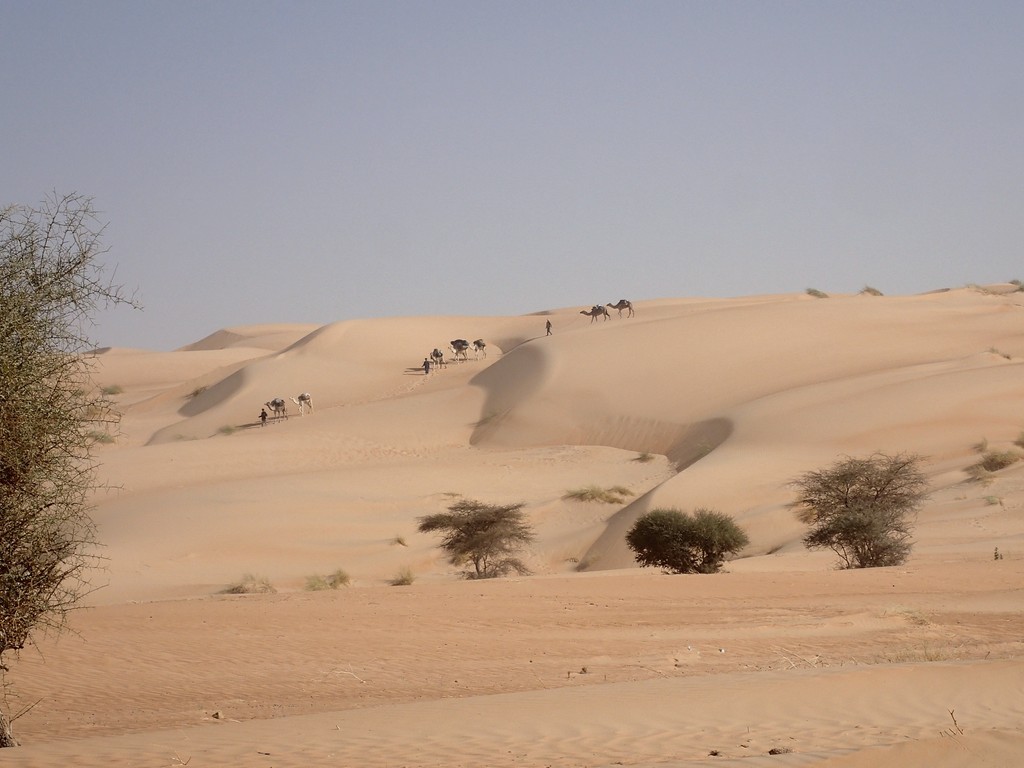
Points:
[(319, 161)]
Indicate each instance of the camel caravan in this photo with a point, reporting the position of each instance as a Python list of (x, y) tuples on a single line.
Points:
[(279, 407), (459, 349), (601, 310)]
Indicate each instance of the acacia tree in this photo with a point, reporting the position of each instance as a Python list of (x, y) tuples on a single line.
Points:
[(50, 416), (680, 543), (863, 509), (486, 535)]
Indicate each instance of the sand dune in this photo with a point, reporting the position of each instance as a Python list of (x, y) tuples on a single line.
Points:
[(590, 661)]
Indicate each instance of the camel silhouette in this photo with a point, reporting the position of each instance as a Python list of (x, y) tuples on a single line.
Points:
[(304, 401), (595, 312), (621, 305)]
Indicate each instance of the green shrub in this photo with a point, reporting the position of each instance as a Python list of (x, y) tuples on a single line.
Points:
[(862, 508), (867, 289), (113, 389), (816, 293), (680, 543)]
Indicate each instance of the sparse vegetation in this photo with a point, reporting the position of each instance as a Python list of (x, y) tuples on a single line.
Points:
[(1019, 442), (924, 653), (644, 457), (1002, 354), (336, 580), (484, 535), (403, 578), (113, 389), (103, 438), (615, 495), (196, 392), (863, 508), (816, 293), (251, 585), (681, 543), (993, 461), (400, 541), (982, 289), (868, 290), (982, 445), (1019, 284)]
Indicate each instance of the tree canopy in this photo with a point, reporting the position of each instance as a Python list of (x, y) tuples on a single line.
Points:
[(863, 508), (51, 414), (680, 543), (485, 535)]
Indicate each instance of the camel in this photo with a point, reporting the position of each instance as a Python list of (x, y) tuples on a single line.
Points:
[(479, 349), (304, 401), (459, 348), (278, 406), (623, 304), (437, 358), (595, 311)]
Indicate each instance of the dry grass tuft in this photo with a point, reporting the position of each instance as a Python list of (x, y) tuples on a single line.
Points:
[(403, 578), (617, 494), (993, 461), (251, 585), (336, 580)]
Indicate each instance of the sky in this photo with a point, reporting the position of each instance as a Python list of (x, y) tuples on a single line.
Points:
[(312, 162)]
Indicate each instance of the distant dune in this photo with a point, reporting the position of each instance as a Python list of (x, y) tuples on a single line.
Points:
[(781, 660)]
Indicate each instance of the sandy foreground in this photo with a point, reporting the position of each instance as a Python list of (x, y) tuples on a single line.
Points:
[(782, 660)]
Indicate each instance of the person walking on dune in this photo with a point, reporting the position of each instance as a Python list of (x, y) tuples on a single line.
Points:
[(426, 366), (547, 327)]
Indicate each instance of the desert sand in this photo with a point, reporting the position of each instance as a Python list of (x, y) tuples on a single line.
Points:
[(782, 659)]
